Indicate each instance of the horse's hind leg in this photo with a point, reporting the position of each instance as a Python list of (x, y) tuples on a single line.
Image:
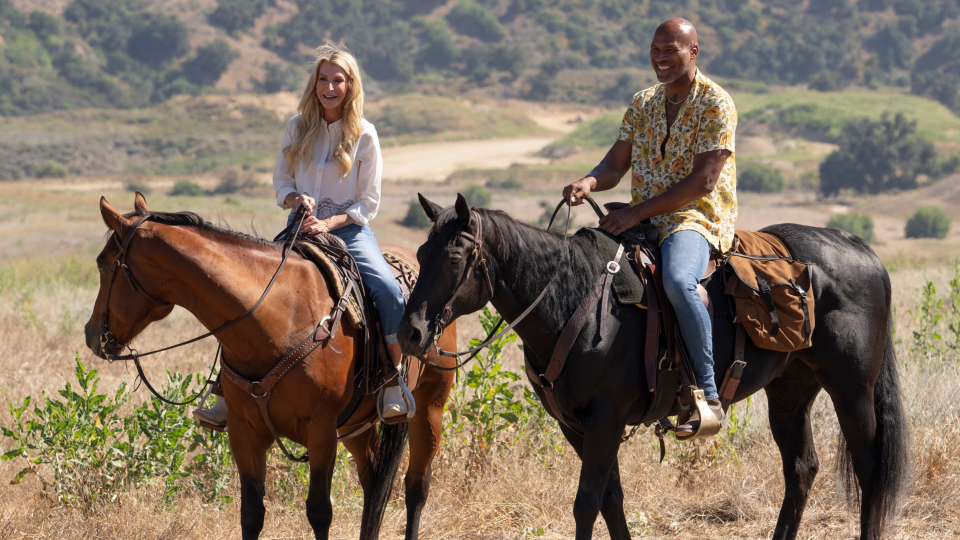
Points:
[(790, 397)]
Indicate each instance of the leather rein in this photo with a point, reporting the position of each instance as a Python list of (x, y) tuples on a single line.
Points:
[(477, 260), (108, 339)]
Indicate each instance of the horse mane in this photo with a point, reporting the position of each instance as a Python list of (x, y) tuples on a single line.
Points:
[(532, 252), (192, 219)]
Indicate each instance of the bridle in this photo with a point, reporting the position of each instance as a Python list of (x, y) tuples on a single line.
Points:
[(477, 260), (108, 339)]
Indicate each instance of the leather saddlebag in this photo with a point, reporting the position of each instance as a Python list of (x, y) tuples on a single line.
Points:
[(771, 292)]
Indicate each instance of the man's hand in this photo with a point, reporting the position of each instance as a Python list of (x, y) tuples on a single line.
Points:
[(618, 221), (576, 192)]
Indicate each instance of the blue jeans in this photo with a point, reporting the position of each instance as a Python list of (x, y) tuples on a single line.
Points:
[(685, 258), (375, 272)]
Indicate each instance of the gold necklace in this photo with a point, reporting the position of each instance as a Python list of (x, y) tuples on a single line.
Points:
[(676, 102)]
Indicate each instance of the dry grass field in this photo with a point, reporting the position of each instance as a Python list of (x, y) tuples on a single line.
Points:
[(731, 488)]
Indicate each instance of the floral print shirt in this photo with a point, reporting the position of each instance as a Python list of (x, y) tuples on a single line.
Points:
[(706, 121)]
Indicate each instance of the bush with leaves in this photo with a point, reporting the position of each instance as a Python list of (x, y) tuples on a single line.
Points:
[(210, 62), (415, 218), (279, 77), (760, 178), (928, 222), (943, 87), (490, 409), (854, 223), (477, 196), (876, 156), (51, 169), (476, 20), (135, 184), (235, 16), (94, 452), (159, 39), (186, 188), (236, 181)]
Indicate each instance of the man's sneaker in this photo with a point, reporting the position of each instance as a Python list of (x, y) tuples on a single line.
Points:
[(393, 403), (686, 430), (213, 418)]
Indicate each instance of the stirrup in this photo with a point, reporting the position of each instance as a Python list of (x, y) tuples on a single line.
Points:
[(408, 399), (709, 425)]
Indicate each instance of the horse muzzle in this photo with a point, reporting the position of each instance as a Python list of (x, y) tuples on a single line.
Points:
[(415, 338)]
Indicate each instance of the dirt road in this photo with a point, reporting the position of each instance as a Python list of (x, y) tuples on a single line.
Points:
[(435, 161)]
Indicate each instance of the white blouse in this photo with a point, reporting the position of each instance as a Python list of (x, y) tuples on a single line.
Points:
[(357, 194)]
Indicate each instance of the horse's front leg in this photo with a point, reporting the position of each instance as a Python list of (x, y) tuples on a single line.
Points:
[(249, 450), (601, 441), (322, 446)]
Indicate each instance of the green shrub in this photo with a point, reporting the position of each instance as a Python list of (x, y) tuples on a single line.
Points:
[(928, 222), (279, 77), (477, 196), (235, 16), (476, 20), (415, 218), (51, 169), (94, 452), (854, 223), (135, 185), (827, 81), (760, 178), (186, 188), (210, 63), (235, 181)]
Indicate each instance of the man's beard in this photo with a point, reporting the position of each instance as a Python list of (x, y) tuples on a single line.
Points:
[(671, 78)]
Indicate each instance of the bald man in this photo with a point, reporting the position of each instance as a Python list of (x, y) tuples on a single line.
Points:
[(678, 137)]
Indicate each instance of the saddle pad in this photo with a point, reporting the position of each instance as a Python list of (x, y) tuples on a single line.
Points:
[(334, 276), (787, 284), (627, 286)]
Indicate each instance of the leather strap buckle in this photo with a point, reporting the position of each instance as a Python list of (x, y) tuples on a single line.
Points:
[(613, 267)]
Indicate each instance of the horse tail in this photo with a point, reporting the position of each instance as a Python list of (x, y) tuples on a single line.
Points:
[(392, 443), (892, 452)]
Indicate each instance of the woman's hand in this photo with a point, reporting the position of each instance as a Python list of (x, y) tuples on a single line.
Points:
[(579, 190), (312, 225), (295, 200)]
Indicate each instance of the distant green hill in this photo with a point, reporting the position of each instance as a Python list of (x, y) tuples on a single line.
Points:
[(814, 115), (128, 53)]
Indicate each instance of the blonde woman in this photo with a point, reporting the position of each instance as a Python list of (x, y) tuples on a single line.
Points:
[(330, 164)]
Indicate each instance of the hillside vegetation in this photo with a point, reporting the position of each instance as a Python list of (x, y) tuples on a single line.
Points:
[(130, 53), (813, 115)]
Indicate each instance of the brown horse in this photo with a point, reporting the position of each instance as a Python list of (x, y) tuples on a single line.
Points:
[(217, 275)]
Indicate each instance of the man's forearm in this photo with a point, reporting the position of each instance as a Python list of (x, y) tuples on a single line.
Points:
[(606, 176), (610, 170), (686, 192)]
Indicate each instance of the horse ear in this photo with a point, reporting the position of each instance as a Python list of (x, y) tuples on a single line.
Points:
[(463, 209), (140, 203), (431, 209), (111, 217)]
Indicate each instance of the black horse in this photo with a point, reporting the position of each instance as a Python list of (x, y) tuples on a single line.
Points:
[(603, 386)]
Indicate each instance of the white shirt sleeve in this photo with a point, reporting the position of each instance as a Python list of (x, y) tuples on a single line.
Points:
[(283, 182), (369, 164)]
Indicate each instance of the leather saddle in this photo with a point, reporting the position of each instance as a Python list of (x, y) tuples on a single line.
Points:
[(669, 373)]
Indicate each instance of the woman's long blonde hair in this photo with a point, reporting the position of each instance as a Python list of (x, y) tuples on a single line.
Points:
[(308, 126)]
